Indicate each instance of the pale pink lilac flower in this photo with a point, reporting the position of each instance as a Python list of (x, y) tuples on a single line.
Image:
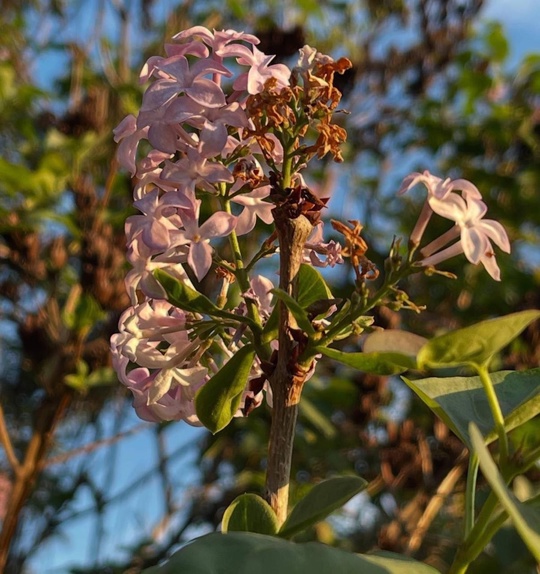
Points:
[(260, 70), (195, 170), (316, 246), (197, 238), (259, 292), (475, 233), (142, 331), (212, 122), (144, 262), (160, 221), (438, 188), (178, 77), (128, 136), (254, 206)]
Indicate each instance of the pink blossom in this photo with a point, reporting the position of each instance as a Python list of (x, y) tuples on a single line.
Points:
[(160, 220), (174, 405), (316, 246), (213, 122), (436, 188), (475, 233), (195, 170), (259, 292), (128, 136), (198, 238), (254, 206), (259, 71), (177, 77), (143, 264)]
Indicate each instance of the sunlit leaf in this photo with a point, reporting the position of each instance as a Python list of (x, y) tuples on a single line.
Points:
[(394, 340), (184, 296), (376, 363), (249, 513), (218, 400), (188, 299), (321, 501), (461, 400), (474, 344)]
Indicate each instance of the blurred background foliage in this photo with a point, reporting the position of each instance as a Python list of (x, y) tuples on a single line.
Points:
[(431, 87)]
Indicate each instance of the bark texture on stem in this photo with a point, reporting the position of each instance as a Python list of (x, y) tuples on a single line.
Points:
[(287, 379)]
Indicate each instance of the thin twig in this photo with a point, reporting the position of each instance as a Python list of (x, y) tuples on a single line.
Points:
[(88, 448), (443, 491), (5, 439)]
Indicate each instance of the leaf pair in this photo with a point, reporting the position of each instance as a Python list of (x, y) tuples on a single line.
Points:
[(251, 513), (247, 546)]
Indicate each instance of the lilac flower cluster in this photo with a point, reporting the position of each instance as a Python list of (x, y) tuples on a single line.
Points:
[(195, 129)]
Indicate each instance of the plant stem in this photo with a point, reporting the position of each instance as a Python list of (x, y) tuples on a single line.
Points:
[(496, 413), (287, 379), (470, 494), (243, 282)]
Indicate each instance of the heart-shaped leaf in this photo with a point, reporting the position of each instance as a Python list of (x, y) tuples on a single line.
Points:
[(461, 400), (218, 400)]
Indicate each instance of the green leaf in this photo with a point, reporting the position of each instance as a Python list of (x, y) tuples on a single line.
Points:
[(526, 518), (474, 344), (218, 400), (81, 312), (246, 553), (189, 299), (185, 297), (250, 513), (497, 42), (311, 288), (376, 363), (394, 341), (320, 501), (461, 400), (298, 313)]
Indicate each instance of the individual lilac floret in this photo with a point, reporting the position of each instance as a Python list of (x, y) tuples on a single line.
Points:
[(466, 211), (436, 187), (197, 238), (475, 233)]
